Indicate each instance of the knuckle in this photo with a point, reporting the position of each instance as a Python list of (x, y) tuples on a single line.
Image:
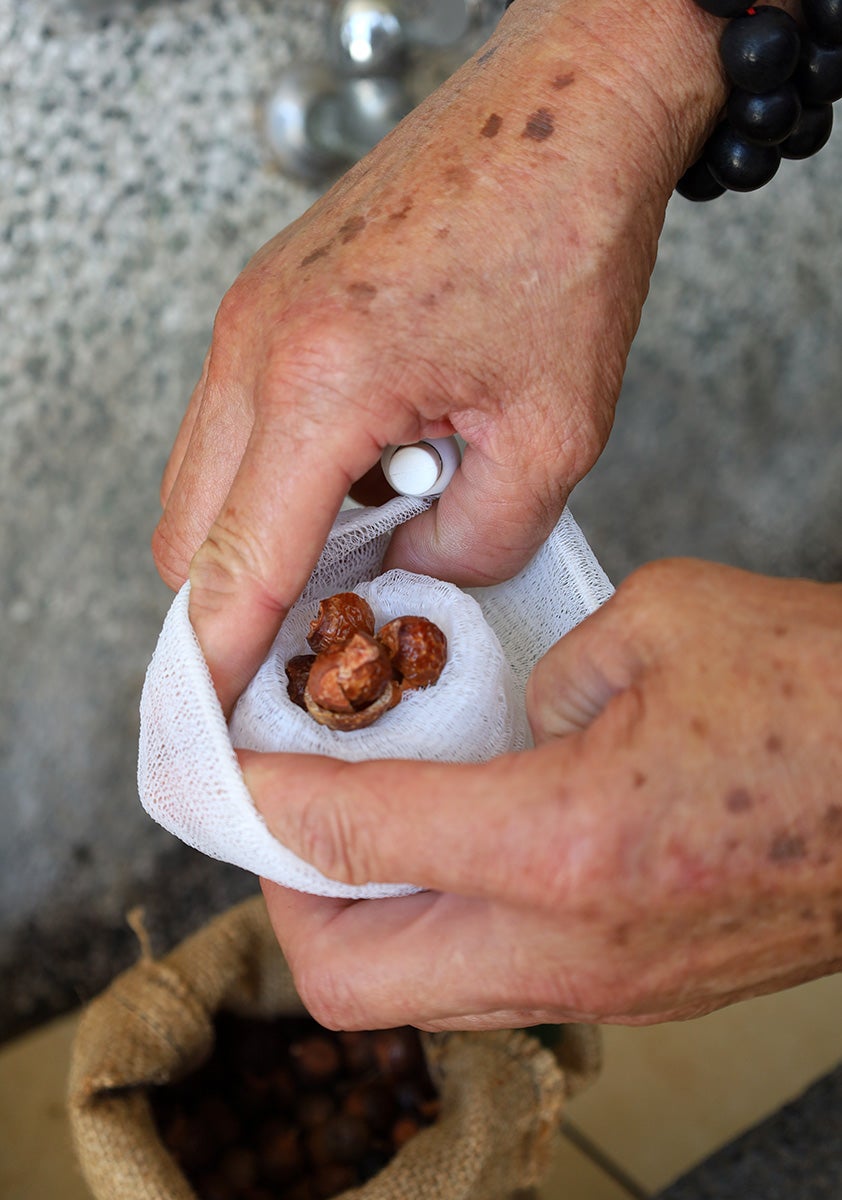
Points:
[(542, 683), (661, 577), (657, 599), (588, 440), (539, 692), (171, 552), (234, 311), (331, 842), (228, 560), (327, 992)]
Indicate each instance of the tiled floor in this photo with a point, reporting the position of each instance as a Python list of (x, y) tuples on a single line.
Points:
[(668, 1096)]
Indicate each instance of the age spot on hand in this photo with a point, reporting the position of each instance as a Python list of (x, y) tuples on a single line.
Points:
[(739, 801), (401, 214), (832, 820), (700, 727), (620, 934), (787, 847), (563, 80), (316, 255), (540, 125), (638, 779), (361, 294), (774, 743), (351, 228), (459, 176), (492, 126)]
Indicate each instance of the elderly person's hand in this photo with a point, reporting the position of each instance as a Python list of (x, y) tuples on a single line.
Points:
[(673, 843), (482, 271)]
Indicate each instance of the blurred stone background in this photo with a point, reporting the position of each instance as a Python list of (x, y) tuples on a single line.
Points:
[(135, 185)]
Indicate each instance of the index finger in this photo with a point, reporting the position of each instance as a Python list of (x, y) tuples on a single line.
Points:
[(265, 541)]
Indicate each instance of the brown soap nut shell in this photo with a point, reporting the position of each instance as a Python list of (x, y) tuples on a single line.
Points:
[(417, 649), (316, 1059), (280, 1153), (350, 688), (338, 619), (357, 1051), (397, 1053), (342, 1139), (298, 672), (360, 719), (403, 1130)]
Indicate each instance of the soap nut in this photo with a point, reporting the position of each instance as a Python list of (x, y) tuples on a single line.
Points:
[(351, 687), (417, 649), (338, 619), (298, 672)]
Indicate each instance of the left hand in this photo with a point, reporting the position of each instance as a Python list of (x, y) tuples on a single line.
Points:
[(671, 845)]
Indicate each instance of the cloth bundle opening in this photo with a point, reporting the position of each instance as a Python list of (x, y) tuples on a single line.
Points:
[(188, 775)]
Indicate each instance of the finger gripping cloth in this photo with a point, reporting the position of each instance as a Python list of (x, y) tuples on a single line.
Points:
[(188, 775)]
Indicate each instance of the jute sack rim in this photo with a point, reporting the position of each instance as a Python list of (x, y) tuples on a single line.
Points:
[(154, 1024)]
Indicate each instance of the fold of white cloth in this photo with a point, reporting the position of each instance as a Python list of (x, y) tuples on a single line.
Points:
[(188, 775)]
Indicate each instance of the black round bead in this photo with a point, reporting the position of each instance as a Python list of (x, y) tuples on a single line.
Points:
[(811, 132), (765, 117), (818, 75), (824, 20), (737, 164), (724, 8), (697, 183), (760, 52)]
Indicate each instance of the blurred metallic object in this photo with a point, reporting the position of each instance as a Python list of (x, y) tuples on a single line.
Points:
[(381, 58), (317, 125), (366, 37), (350, 120), (446, 22), (289, 118)]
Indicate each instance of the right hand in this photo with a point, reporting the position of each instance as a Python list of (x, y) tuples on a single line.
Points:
[(482, 271)]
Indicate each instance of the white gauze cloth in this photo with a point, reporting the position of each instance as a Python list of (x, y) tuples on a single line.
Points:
[(188, 774)]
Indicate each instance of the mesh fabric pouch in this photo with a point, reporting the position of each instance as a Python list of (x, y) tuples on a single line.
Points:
[(188, 774)]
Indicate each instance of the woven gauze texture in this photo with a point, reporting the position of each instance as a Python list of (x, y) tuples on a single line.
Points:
[(188, 775), (502, 1093)]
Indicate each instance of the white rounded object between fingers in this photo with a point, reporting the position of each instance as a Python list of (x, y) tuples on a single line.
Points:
[(414, 470)]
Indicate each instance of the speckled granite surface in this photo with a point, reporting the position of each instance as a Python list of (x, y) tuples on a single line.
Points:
[(134, 186), (794, 1155), (138, 190)]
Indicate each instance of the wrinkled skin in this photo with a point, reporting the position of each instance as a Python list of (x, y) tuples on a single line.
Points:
[(672, 844)]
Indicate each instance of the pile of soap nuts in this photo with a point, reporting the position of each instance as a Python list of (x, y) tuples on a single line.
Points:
[(286, 1108), (353, 677)]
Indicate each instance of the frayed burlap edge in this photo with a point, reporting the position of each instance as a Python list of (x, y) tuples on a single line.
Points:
[(502, 1093)]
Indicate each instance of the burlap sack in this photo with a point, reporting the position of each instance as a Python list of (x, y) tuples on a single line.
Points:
[(502, 1093)]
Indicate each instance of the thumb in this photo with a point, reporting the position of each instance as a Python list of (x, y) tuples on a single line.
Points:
[(577, 677), (436, 825)]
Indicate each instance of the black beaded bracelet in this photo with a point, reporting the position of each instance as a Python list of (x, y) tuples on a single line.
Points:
[(785, 81)]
